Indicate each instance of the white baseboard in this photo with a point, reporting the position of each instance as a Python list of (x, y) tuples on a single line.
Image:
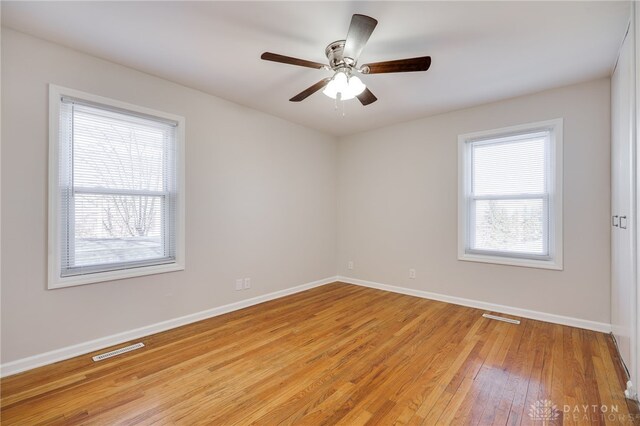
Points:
[(39, 360), (525, 313)]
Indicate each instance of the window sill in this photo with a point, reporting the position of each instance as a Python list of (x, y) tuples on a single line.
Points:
[(512, 261), (57, 282)]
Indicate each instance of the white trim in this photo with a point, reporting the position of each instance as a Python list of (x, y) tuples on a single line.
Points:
[(636, 104), (509, 310), (61, 91), (555, 199), (120, 274), (511, 261), (55, 281), (61, 354)]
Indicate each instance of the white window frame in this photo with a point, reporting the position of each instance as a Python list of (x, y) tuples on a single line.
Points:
[(554, 259), (55, 280)]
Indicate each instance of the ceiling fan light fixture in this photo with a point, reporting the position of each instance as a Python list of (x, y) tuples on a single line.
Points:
[(341, 81), (347, 87), (330, 90), (356, 86), (343, 59)]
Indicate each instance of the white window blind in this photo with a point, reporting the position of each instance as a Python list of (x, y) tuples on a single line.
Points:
[(510, 195), (118, 188), (509, 201)]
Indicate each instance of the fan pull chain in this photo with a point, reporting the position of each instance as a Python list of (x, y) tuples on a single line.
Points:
[(338, 101)]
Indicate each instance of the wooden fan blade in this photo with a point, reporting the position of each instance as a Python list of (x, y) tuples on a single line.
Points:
[(366, 97), (268, 56), (310, 90), (359, 32), (401, 65)]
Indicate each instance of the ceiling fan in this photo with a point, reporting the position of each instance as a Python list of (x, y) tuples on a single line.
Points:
[(343, 60)]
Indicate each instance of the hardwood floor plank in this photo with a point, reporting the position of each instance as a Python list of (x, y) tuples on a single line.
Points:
[(338, 354)]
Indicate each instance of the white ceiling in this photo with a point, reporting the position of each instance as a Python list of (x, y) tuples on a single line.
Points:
[(481, 51)]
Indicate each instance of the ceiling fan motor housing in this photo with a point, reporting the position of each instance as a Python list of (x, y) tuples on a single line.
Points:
[(334, 52), (338, 62)]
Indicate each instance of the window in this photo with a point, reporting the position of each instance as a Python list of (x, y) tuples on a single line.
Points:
[(116, 195), (510, 196)]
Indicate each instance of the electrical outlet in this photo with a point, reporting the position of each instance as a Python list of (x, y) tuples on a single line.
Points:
[(239, 284), (350, 264), (247, 283), (412, 273)]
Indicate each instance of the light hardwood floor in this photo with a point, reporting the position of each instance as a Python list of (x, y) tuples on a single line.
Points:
[(338, 354)]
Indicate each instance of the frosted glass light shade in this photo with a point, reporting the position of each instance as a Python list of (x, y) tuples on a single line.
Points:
[(341, 82), (348, 87), (356, 86)]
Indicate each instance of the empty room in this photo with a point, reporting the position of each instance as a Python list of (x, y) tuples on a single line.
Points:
[(319, 213)]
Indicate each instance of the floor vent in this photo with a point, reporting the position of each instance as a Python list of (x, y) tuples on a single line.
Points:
[(495, 317), (118, 352)]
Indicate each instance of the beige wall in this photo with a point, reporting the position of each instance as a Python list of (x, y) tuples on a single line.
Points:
[(260, 203), (398, 206)]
